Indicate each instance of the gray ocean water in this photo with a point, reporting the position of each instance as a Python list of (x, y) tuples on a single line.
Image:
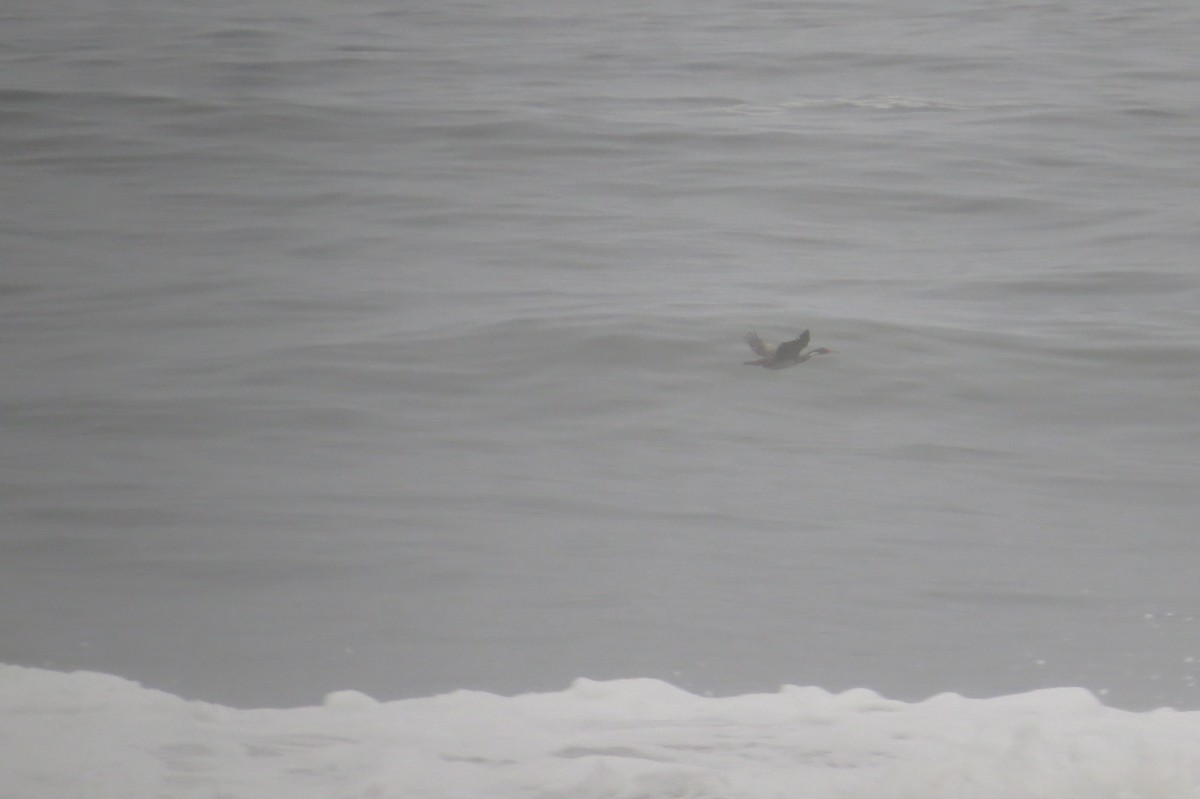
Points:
[(397, 346)]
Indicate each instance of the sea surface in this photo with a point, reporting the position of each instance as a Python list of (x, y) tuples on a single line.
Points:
[(395, 347)]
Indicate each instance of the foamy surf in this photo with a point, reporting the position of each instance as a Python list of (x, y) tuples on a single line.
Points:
[(94, 735)]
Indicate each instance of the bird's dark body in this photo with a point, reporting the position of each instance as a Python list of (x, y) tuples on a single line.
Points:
[(789, 353)]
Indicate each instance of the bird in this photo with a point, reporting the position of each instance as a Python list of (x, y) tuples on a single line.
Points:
[(786, 354)]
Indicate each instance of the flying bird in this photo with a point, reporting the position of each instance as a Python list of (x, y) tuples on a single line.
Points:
[(786, 354)]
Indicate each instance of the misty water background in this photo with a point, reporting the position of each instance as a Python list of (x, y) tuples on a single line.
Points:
[(396, 346)]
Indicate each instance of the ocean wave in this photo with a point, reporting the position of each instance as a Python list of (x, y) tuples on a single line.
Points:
[(90, 734)]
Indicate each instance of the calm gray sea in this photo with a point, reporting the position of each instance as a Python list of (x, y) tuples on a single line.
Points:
[(396, 346)]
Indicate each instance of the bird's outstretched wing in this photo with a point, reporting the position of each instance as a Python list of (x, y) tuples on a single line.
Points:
[(756, 344), (790, 350)]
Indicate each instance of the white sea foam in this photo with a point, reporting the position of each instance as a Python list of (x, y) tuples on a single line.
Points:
[(93, 735)]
